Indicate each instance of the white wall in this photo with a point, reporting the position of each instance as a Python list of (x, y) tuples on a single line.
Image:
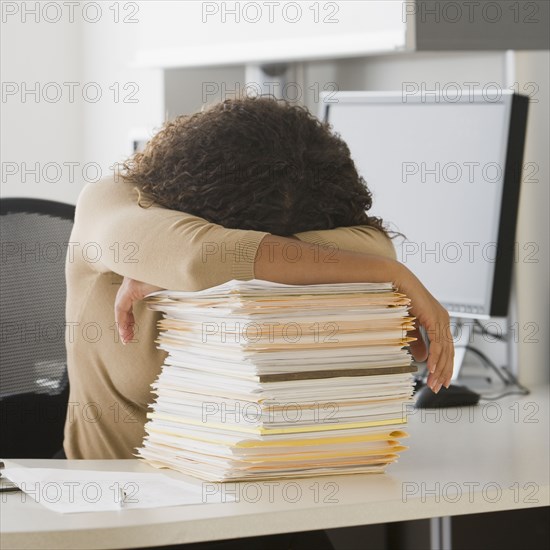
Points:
[(93, 134), (134, 100), (533, 278), (33, 129), (188, 90)]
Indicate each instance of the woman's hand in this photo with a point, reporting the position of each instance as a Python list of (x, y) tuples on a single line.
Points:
[(129, 292), (434, 318)]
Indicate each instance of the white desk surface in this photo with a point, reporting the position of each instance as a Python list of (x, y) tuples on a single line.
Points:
[(495, 457)]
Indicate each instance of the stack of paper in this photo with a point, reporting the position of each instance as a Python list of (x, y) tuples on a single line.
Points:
[(264, 380)]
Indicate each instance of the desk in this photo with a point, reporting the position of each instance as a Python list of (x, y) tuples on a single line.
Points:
[(461, 461)]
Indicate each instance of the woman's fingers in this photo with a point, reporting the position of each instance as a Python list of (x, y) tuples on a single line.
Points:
[(435, 319), (446, 375), (130, 291), (441, 374), (450, 367), (126, 328), (441, 355), (124, 313), (434, 363)]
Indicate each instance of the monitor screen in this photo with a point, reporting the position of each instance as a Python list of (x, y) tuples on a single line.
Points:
[(436, 169)]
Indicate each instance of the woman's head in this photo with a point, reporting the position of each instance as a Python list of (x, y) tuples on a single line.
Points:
[(254, 163)]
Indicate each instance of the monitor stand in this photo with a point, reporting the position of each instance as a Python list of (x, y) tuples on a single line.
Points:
[(464, 337)]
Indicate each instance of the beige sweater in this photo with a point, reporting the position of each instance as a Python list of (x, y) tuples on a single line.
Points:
[(114, 237)]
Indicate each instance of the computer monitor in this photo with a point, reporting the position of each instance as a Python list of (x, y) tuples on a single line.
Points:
[(446, 173)]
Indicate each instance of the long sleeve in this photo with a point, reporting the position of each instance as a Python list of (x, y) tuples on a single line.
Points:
[(359, 238), (162, 247)]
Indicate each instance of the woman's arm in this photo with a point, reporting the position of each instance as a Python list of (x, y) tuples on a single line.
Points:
[(276, 261), (369, 240), (158, 246), (358, 238), (291, 261)]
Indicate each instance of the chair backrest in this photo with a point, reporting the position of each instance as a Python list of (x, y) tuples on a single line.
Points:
[(33, 365)]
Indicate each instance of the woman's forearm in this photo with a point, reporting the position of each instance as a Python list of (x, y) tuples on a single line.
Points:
[(291, 261)]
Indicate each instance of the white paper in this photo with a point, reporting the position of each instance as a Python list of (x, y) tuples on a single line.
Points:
[(71, 491), (214, 391), (257, 285)]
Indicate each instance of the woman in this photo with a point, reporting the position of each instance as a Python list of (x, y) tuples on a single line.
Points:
[(250, 188)]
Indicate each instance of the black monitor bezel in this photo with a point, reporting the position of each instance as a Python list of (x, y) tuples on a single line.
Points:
[(509, 207)]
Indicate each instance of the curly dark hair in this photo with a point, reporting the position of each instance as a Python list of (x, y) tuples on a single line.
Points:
[(254, 163)]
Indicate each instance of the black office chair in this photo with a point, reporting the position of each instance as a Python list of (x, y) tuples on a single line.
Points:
[(34, 387)]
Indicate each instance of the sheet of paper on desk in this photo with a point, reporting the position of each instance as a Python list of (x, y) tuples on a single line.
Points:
[(71, 491)]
